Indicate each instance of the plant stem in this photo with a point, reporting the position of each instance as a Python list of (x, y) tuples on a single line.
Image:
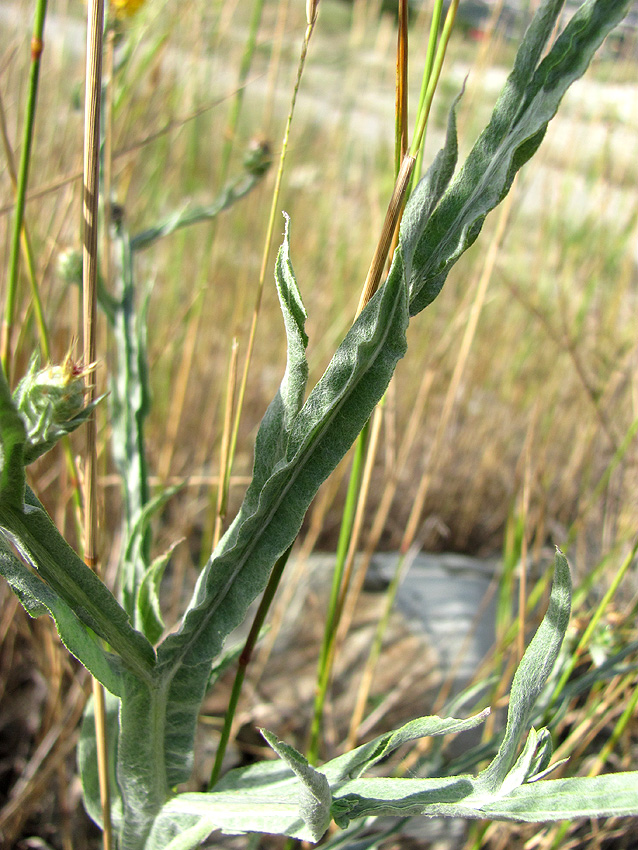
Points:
[(427, 74), (244, 68), (37, 47), (244, 661), (95, 27), (594, 620), (224, 469), (324, 667), (425, 106), (27, 248)]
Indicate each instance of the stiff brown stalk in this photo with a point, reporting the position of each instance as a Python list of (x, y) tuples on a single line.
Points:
[(95, 26)]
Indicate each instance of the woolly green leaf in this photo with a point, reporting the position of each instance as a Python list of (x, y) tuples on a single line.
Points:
[(528, 102), (140, 579), (140, 759), (263, 797), (148, 617), (189, 215), (613, 795), (459, 796), (37, 539), (38, 598), (315, 798), (299, 458), (186, 820), (353, 764), (533, 673)]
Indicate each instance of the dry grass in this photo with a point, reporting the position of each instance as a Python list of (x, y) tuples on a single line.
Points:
[(544, 397)]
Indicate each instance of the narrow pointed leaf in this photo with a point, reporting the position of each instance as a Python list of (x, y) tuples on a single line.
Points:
[(148, 615), (528, 102), (533, 673), (40, 543), (314, 797), (353, 764), (269, 521), (38, 598)]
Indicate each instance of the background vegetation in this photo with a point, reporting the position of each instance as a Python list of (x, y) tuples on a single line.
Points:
[(526, 365)]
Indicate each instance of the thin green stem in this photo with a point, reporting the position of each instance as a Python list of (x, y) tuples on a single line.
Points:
[(21, 191), (594, 620), (92, 106), (427, 74), (324, 668), (27, 248), (244, 69), (244, 661), (274, 208), (426, 105)]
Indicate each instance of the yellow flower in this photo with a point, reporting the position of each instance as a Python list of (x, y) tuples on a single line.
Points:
[(126, 8)]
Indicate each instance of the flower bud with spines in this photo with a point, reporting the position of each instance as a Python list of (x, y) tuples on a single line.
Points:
[(51, 403)]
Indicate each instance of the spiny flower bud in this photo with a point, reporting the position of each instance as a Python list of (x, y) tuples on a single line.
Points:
[(51, 403)]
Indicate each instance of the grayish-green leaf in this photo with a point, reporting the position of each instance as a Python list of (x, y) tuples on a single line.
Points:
[(459, 796), (612, 795), (148, 615), (189, 215), (315, 797), (141, 776), (263, 798), (528, 102), (37, 539), (38, 598), (140, 579), (354, 763), (270, 518), (532, 673)]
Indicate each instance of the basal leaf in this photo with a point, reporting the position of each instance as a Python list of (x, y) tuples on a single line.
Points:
[(262, 798), (545, 800), (612, 795)]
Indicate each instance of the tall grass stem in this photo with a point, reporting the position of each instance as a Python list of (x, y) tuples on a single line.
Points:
[(93, 92), (37, 46), (268, 240), (435, 25)]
